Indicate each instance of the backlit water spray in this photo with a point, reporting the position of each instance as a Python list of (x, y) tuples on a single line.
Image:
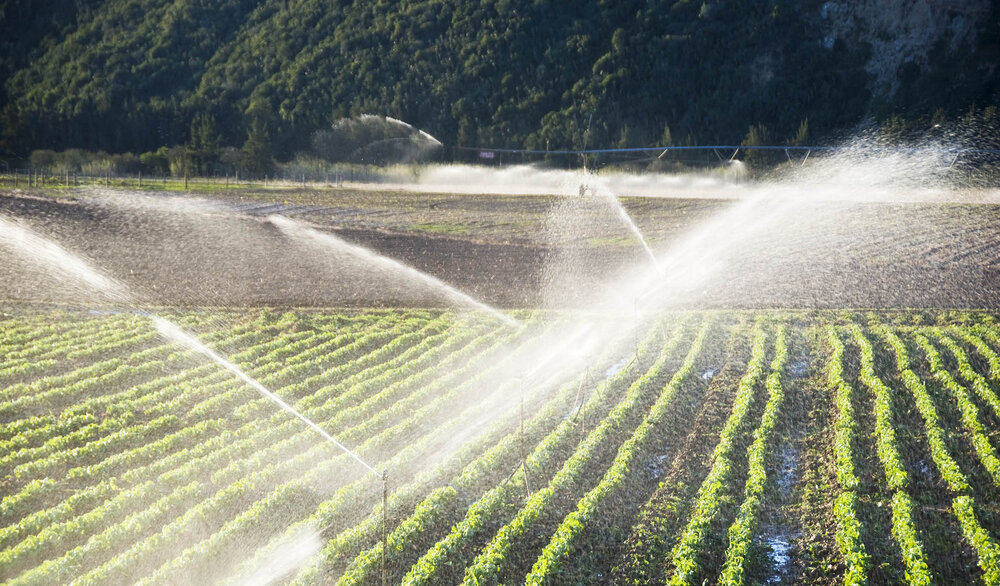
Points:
[(629, 222), (297, 230), (173, 332), (23, 241)]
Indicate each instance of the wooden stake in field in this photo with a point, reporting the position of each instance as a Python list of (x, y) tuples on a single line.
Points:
[(385, 524), (524, 456)]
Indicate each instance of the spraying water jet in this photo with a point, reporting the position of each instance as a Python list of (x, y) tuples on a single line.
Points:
[(173, 332), (22, 240), (298, 231)]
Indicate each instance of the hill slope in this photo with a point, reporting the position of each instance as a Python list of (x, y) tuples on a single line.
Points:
[(132, 75)]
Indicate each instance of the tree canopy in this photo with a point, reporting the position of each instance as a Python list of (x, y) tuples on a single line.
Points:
[(137, 75)]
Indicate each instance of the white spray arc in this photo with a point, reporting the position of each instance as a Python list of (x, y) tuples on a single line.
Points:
[(297, 230), (20, 239), (174, 333), (422, 134), (623, 214), (44, 252)]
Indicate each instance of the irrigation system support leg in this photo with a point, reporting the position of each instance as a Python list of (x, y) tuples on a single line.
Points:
[(805, 158), (385, 524), (524, 455), (736, 152)]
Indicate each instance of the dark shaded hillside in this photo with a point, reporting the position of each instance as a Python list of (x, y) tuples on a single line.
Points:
[(131, 75)]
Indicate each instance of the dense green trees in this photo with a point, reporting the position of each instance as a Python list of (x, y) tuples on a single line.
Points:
[(136, 75)]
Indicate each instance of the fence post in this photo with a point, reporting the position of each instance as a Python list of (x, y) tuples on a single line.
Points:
[(140, 179)]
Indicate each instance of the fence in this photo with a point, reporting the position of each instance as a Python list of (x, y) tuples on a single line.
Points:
[(47, 178)]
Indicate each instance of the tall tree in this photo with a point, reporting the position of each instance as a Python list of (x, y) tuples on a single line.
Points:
[(204, 144), (256, 157)]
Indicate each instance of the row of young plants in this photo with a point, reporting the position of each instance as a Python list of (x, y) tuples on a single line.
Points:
[(475, 479), (226, 444), (491, 564), (215, 547), (662, 513), (979, 383), (903, 525), (251, 466), (60, 342), (125, 409), (95, 404), (117, 337), (250, 451), (91, 338), (685, 555), (845, 507), (966, 406), (547, 568), (23, 330), (987, 549), (499, 380), (131, 497), (48, 518), (200, 558), (742, 530)]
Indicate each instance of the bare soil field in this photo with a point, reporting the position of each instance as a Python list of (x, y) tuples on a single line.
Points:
[(511, 251)]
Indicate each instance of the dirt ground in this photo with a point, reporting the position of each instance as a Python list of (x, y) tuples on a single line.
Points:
[(510, 251)]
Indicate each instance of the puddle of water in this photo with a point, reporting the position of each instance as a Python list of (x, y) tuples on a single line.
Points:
[(614, 368), (779, 548), (799, 368), (778, 537)]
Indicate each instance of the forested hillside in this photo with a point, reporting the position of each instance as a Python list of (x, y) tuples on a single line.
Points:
[(135, 75)]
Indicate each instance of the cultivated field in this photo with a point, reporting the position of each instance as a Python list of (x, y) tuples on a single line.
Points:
[(514, 251), (814, 447)]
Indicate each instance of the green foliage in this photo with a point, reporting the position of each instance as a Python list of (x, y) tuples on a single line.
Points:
[(684, 557), (135, 75), (256, 159), (203, 147), (846, 505), (742, 530), (124, 461)]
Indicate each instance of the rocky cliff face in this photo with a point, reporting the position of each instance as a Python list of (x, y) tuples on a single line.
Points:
[(901, 32)]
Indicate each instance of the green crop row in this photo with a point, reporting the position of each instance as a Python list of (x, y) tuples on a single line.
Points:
[(903, 527), (247, 469), (742, 529), (946, 465), (241, 477), (545, 454), (967, 408), (486, 568), (227, 445), (848, 537), (684, 557), (979, 383), (985, 547), (219, 541), (546, 568), (204, 554)]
